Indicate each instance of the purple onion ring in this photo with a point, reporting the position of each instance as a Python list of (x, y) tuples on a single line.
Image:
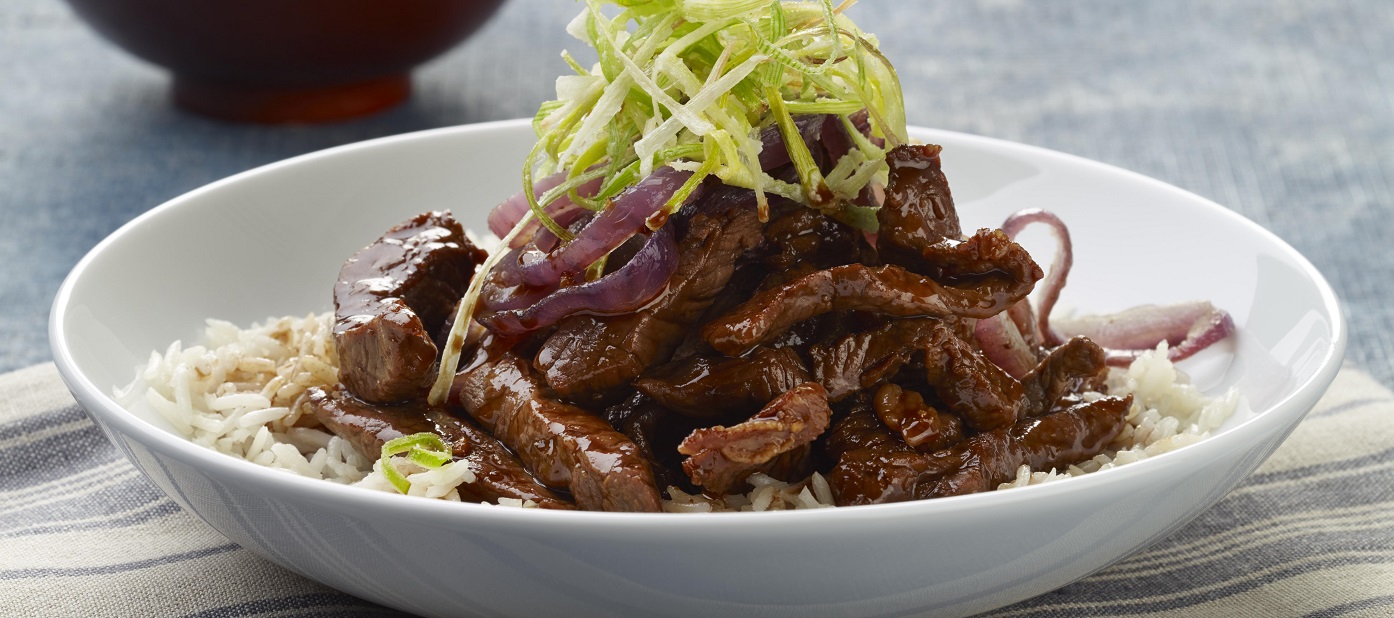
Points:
[(622, 291), (621, 219), (1186, 327), (1059, 266), (509, 212), (504, 289), (1003, 344)]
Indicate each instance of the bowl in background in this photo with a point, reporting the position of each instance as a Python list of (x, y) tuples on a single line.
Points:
[(278, 61), (270, 241)]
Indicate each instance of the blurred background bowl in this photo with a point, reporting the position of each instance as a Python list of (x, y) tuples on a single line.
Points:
[(279, 61)]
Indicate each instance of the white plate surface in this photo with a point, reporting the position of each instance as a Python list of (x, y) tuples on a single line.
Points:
[(270, 241)]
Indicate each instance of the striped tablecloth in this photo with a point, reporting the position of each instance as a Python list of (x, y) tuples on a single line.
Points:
[(82, 533)]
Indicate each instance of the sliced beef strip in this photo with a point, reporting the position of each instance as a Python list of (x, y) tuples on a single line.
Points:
[(498, 474), (974, 388), (977, 391), (721, 458), (1076, 365), (983, 395), (1052, 441), (890, 290), (860, 428), (716, 388), (803, 240), (589, 358), (863, 359), (389, 300), (919, 209), (880, 474), (657, 431), (874, 465), (564, 446), (919, 424)]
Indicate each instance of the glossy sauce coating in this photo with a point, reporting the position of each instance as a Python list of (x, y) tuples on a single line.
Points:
[(498, 474), (979, 392), (890, 290), (918, 424), (720, 458), (564, 446), (919, 208), (715, 387), (878, 468), (390, 300), (1052, 441), (589, 358), (864, 359)]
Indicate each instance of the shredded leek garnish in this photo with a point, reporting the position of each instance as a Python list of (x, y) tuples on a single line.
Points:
[(682, 72), (424, 449), (691, 84)]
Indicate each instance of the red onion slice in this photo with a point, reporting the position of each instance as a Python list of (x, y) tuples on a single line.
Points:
[(1003, 344), (1059, 266), (623, 218), (563, 211), (772, 150), (509, 212), (622, 291), (816, 129), (1186, 327), (504, 289)]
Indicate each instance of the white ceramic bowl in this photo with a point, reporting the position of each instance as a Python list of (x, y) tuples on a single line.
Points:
[(270, 242)]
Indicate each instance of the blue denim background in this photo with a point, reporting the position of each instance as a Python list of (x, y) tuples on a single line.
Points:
[(1282, 110)]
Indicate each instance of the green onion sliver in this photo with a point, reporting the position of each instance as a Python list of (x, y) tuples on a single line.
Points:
[(815, 189), (425, 449)]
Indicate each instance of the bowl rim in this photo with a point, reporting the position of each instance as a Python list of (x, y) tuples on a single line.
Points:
[(104, 409)]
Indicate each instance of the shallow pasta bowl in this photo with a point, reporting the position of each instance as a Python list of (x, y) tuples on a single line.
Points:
[(270, 242)]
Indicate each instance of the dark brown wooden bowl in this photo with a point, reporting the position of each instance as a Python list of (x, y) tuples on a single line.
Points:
[(277, 61)]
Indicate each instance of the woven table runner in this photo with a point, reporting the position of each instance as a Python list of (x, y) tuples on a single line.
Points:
[(82, 533)]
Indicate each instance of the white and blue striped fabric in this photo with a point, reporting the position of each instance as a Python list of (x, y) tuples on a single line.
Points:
[(82, 533)]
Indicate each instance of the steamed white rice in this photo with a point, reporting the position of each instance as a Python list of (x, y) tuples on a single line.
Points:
[(1167, 413), (243, 393)]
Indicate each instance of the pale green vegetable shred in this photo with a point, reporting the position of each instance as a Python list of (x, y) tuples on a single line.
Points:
[(424, 449), (690, 84)]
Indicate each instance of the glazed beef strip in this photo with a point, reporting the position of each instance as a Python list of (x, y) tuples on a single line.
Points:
[(890, 290), (562, 445), (803, 240), (982, 394), (979, 392), (860, 428), (874, 465), (721, 458), (589, 358), (389, 300), (884, 473), (657, 431), (864, 359), (919, 425), (368, 426), (987, 398), (1076, 365), (717, 388), (919, 209), (1052, 441)]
